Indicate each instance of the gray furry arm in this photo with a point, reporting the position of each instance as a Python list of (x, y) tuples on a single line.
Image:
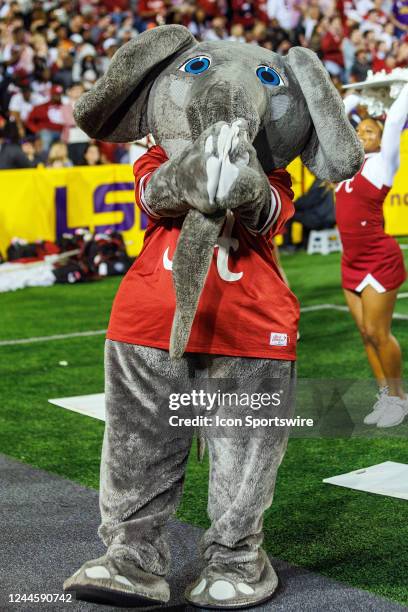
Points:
[(162, 197), (260, 208)]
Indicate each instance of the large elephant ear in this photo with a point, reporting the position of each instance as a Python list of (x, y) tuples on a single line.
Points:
[(115, 108), (333, 152)]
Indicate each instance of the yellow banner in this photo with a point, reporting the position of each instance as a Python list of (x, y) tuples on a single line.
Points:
[(396, 203), (44, 203)]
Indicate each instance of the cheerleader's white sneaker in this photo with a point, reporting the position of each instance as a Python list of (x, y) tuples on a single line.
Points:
[(396, 409), (374, 416)]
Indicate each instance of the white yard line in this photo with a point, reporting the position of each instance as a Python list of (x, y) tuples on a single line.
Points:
[(323, 307), (317, 307), (98, 332)]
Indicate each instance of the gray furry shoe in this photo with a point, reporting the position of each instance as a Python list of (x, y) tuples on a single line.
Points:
[(220, 588), (103, 581)]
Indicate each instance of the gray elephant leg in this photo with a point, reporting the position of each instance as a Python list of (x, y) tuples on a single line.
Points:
[(142, 473), (242, 480)]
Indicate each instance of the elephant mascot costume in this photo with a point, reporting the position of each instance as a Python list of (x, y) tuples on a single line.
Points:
[(227, 116)]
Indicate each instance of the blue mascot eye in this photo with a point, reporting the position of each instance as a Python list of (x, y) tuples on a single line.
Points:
[(268, 76), (196, 65)]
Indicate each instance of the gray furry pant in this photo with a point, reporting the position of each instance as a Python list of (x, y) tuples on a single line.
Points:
[(142, 470)]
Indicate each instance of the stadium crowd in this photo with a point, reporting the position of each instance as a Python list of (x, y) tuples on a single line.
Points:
[(53, 51)]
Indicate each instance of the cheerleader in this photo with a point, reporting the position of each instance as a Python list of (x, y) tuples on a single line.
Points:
[(372, 264)]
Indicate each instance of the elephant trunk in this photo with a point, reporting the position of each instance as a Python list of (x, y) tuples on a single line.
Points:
[(199, 234), (191, 263)]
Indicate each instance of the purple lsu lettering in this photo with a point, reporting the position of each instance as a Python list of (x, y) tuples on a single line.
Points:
[(99, 206)]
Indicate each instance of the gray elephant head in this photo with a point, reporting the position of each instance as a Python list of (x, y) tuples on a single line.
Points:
[(166, 83)]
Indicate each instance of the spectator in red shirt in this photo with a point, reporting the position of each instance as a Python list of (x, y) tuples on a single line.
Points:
[(211, 7), (47, 119), (111, 5), (331, 48), (243, 12), (149, 10), (378, 61)]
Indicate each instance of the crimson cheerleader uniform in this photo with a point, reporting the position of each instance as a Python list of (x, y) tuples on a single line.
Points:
[(370, 256)]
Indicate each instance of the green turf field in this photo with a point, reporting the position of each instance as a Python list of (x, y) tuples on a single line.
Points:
[(351, 536)]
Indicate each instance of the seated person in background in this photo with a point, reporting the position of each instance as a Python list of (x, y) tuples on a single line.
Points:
[(40, 153), (47, 119), (28, 148), (20, 107), (314, 210), (92, 155), (58, 156), (13, 156)]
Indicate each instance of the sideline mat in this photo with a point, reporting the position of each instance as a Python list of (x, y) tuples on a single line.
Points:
[(387, 478), (90, 405)]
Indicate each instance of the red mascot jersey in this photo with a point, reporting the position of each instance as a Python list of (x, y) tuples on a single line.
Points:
[(245, 308)]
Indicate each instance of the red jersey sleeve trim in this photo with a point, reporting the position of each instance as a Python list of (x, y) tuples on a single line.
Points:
[(281, 203), (143, 169), (274, 212), (275, 207), (281, 184), (140, 196)]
